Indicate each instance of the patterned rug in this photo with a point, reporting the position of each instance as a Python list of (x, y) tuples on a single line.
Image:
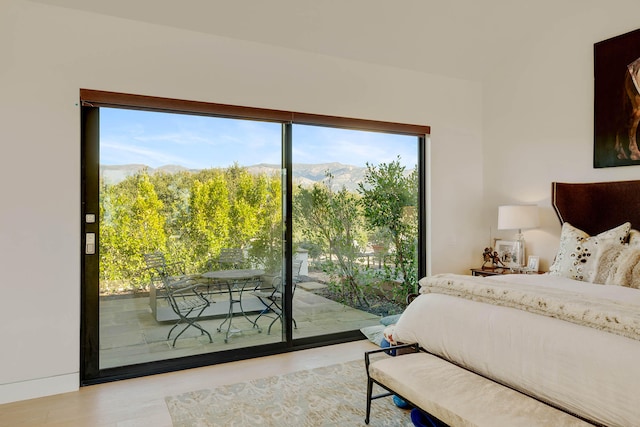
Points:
[(328, 396)]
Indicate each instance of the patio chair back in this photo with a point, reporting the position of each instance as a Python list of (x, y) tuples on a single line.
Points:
[(158, 267), (229, 258), (158, 271)]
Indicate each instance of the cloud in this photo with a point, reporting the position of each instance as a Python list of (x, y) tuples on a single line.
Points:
[(117, 154), (157, 139)]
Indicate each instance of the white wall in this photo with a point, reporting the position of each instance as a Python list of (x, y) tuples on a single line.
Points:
[(538, 117), (49, 53)]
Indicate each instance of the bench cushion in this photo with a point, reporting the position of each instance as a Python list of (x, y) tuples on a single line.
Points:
[(461, 398)]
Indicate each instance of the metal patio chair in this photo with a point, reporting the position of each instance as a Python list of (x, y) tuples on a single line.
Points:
[(272, 298), (157, 268), (189, 302)]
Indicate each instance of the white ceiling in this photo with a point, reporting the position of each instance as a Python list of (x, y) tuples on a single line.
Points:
[(456, 38)]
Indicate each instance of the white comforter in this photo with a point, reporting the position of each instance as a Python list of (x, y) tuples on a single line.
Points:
[(591, 372)]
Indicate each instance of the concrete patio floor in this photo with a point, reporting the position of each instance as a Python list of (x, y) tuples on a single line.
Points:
[(129, 333)]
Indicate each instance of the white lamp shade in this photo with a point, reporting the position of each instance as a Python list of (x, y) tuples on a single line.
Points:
[(518, 217)]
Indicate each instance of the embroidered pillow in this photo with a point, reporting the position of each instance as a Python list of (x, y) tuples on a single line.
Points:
[(576, 255)]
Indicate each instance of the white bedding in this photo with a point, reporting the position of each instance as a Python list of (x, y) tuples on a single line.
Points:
[(586, 371)]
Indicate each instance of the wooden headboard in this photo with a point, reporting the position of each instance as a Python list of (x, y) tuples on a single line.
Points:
[(597, 206)]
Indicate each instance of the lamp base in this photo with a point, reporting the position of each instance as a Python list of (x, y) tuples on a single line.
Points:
[(519, 249)]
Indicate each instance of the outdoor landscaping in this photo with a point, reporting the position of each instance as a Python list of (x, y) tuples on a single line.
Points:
[(363, 241)]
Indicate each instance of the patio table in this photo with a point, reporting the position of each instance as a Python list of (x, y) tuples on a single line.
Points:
[(236, 281)]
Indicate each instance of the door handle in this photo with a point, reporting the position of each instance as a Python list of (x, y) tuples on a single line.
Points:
[(90, 244)]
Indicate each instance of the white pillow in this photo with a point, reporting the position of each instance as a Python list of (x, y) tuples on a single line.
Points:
[(576, 255), (618, 265)]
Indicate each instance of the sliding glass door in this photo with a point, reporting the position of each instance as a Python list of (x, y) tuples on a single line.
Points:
[(214, 233), (355, 226), (190, 190)]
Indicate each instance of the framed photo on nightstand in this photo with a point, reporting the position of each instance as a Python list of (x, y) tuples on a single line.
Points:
[(507, 251), (533, 263)]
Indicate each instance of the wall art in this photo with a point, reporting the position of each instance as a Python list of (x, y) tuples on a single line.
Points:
[(617, 101)]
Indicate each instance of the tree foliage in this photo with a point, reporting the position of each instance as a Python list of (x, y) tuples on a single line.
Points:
[(134, 225), (191, 216), (266, 244), (334, 221), (390, 205)]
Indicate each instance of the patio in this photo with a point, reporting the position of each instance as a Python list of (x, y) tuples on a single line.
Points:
[(129, 333)]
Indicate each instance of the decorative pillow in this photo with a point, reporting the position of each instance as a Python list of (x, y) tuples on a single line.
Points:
[(390, 320), (617, 265), (374, 333), (576, 255)]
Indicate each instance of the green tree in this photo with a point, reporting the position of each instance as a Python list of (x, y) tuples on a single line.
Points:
[(209, 219), (174, 190), (266, 244), (334, 220), (389, 200), (134, 226), (247, 194)]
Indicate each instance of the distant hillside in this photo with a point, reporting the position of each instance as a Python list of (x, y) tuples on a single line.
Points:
[(308, 174), (305, 174), (113, 174)]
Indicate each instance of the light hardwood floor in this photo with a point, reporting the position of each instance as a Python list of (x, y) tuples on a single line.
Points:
[(140, 401)]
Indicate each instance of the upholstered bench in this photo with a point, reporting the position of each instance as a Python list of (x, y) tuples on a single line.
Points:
[(455, 395)]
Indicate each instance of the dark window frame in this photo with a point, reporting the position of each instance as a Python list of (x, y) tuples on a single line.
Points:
[(91, 101)]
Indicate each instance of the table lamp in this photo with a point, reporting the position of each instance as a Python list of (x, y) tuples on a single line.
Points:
[(518, 217)]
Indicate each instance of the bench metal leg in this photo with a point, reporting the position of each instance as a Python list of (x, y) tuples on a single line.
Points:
[(370, 381)]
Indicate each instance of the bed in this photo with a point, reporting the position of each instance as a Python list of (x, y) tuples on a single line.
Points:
[(569, 338)]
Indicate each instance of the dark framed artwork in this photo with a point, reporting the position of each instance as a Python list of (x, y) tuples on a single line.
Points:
[(617, 101)]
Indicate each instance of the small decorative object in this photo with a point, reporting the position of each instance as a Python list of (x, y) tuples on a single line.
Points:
[(533, 264), (490, 255), (486, 256)]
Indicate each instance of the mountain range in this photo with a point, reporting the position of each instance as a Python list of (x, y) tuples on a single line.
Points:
[(304, 174)]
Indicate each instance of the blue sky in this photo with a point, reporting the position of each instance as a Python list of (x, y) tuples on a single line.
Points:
[(198, 142)]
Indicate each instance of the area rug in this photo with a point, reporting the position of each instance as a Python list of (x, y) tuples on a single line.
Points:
[(328, 396)]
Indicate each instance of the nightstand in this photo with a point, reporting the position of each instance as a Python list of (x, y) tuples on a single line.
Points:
[(489, 271)]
